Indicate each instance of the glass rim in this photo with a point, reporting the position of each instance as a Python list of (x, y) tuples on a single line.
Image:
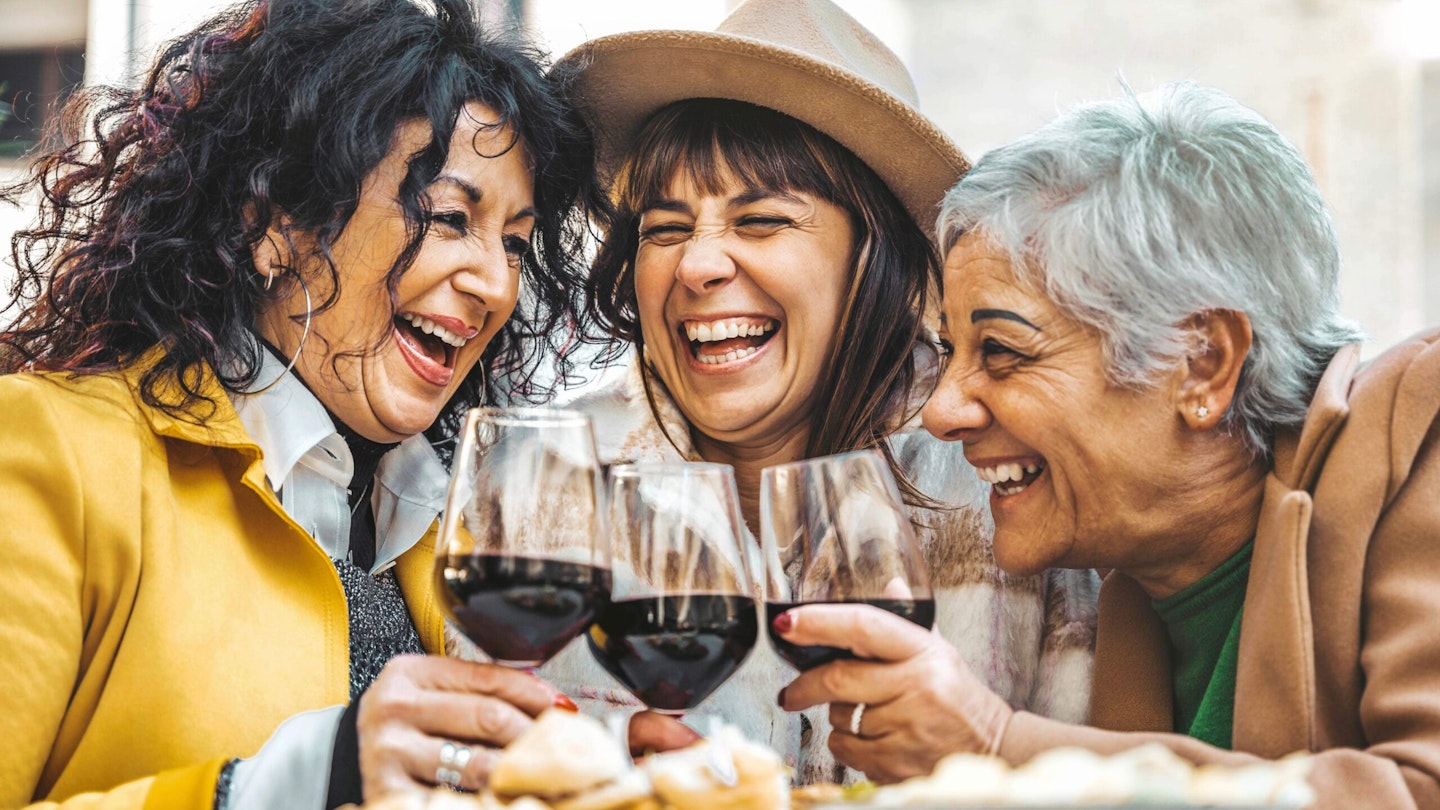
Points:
[(529, 417), (790, 466), (633, 469)]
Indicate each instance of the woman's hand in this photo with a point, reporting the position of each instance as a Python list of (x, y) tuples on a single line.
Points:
[(652, 732), (420, 704), (921, 701)]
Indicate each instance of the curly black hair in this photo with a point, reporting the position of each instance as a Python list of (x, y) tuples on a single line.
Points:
[(272, 114)]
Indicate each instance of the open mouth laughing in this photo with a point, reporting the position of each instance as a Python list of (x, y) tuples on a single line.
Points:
[(430, 344), (1011, 478), (727, 340)]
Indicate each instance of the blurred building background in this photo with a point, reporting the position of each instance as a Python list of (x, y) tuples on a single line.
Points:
[(1354, 83)]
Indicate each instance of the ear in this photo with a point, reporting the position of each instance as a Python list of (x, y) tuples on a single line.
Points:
[(1212, 367), (272, 255)]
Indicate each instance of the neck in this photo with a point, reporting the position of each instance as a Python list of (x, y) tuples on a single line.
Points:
[(748, 460), (1210, 525)]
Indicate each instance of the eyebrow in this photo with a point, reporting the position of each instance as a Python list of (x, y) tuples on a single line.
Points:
[(673, 206), (474, 194), (743, 198), (758, 194), (978, 315), (471, 190)]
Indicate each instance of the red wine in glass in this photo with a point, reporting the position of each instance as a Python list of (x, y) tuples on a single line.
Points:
[(671, 652), (806, 656), (682, 614), (521, 610), (523, 565), (834, 530)]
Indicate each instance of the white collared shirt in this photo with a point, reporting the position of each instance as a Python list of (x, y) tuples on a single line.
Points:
[(309, 466)]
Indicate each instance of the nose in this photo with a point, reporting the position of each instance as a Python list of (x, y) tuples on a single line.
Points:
[(490, 275), (704, 263), (953, 412)]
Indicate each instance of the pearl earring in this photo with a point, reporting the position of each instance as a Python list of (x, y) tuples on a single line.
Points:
[(1202, 412)]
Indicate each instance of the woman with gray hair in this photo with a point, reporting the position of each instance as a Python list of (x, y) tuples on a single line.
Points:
[(1150, 367)]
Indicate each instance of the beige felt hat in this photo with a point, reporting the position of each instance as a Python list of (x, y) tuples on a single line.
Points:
[(805, 58)]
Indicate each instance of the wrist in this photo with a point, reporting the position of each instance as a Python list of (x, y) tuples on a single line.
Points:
[(999, 725)]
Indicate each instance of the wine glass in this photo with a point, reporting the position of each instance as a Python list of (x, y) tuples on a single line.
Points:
[(833, 529), (682, 614), (524, 565)]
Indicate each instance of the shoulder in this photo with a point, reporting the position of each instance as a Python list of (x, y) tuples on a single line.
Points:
[(1394, 406), (1402, 384), (626, 427), (80, 402)]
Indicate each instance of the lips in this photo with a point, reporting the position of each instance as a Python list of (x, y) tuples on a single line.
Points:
[(722, 341), (1010, 477), (429, 343)]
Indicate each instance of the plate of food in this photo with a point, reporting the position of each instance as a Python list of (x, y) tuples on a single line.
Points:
[(568, 761)]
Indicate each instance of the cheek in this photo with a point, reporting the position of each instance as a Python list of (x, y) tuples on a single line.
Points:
[(652, 283), (652, 289)]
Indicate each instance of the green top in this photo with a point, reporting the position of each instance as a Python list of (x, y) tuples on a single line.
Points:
[(1204, 626)]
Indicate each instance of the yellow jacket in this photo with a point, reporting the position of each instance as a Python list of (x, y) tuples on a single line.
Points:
[(162, 614)]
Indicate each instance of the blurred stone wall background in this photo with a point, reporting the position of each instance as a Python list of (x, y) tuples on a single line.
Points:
[(1354, 83)]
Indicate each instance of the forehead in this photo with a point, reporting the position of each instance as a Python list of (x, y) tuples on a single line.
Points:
[(976, 264), (721, 181), (979, 274)]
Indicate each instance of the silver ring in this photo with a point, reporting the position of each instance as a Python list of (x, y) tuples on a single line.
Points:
[(855, 717), (453, 759)]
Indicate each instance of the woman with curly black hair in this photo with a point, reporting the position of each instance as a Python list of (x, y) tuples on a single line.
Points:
[(261, 291)]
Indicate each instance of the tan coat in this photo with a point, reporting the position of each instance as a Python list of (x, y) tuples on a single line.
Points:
[(1338, 644)]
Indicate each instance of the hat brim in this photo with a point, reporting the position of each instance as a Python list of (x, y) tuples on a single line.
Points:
[(623, 79)]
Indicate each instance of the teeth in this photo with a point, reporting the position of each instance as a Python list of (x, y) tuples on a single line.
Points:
[(712, 331), (1002, 474), (430, 327), (728, 357)]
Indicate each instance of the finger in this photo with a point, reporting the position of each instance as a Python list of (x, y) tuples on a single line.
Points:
[(404, 760), (867, 631), (880, 761), (472, 762), (520, 689), (650, 731), (897, 588), (845, 681), (426, 762), (842, 716), (465, 717)]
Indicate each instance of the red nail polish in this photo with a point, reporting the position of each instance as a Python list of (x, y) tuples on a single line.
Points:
[(563, 702), (783, 623)]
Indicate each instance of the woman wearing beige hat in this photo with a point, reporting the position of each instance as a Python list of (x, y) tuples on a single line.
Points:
[(769, 260)]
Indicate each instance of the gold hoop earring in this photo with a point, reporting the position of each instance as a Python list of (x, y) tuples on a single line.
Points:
[(305, 333)]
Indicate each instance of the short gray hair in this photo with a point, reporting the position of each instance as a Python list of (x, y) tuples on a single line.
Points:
[(1135, 213)]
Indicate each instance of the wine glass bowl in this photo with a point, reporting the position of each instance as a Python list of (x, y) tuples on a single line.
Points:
[(682, 614), (523, 565), (835, 530)]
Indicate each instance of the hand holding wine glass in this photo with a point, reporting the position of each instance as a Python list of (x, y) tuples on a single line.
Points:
[(834, 530), (682, 613), (524, 565)]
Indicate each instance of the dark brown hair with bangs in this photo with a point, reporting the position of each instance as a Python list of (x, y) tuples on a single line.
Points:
[(871, 369)]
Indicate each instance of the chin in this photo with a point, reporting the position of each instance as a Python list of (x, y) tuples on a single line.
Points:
[(402, 426), (1019, 557)]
